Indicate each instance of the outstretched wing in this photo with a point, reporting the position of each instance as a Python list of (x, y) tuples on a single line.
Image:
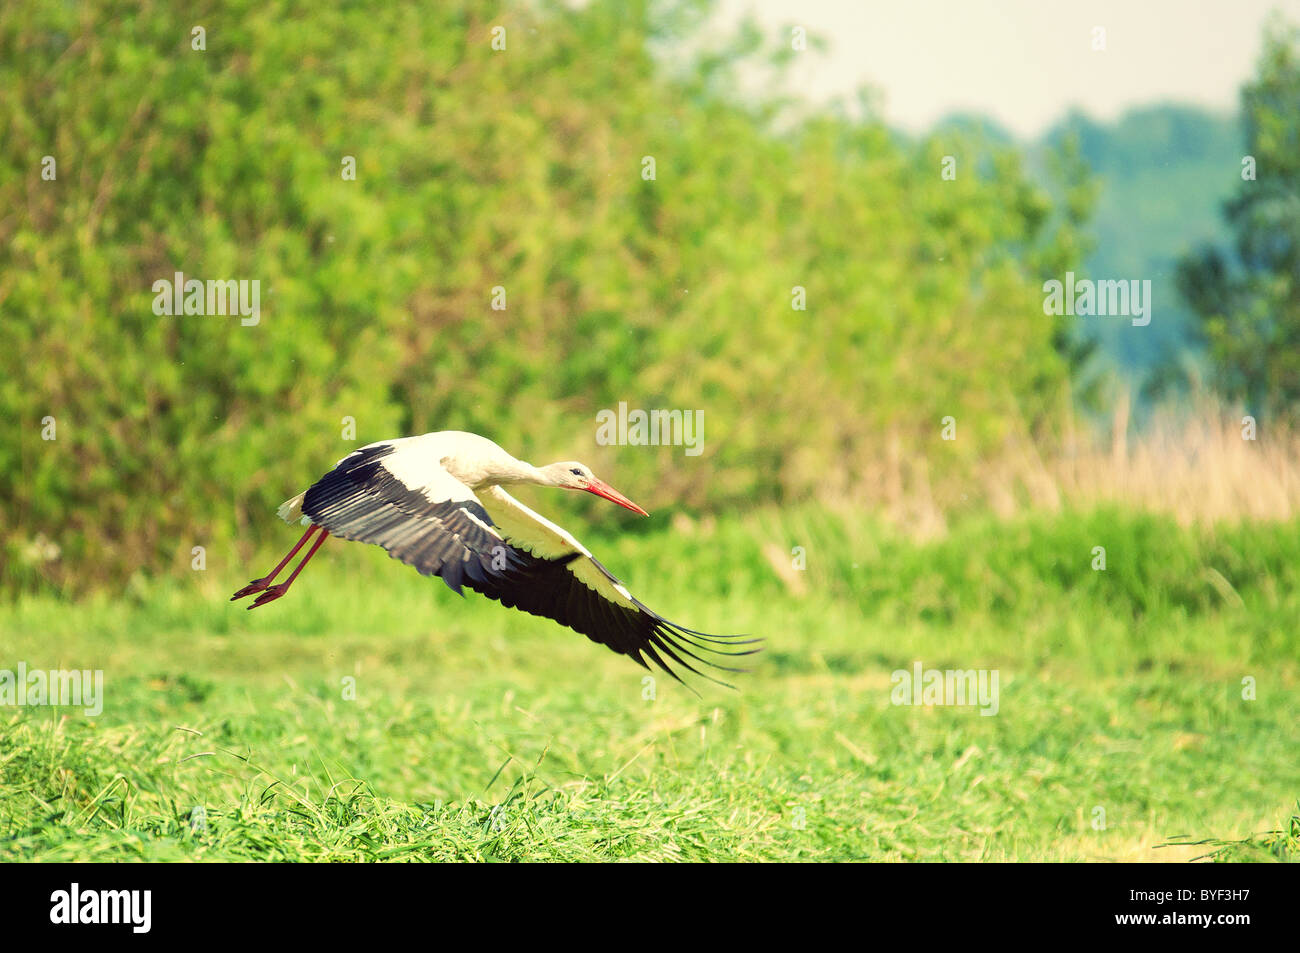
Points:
[(498, 547), (437, 525), (562, 580)]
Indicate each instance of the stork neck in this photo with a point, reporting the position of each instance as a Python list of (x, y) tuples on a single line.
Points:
[(520, 472)]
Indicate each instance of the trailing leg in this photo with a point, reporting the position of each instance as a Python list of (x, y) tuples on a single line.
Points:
[(257, 585)]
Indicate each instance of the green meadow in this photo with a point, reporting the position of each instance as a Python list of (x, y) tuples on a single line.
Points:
[(510, 221), (372, 714)]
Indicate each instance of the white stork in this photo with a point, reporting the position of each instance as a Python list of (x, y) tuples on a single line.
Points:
[(436, 503)]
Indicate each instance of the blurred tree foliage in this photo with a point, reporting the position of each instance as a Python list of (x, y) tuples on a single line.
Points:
[(1248, 299), (477, 168), (1163, 171)]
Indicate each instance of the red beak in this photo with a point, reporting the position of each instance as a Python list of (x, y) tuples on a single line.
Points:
[(608, 492)]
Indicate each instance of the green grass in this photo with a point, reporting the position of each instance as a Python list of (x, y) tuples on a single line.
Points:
[(482, 734)]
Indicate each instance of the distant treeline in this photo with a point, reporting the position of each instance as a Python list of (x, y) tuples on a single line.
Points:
[(502, 225)]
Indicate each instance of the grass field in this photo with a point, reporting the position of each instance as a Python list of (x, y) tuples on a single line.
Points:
[(482, 734)]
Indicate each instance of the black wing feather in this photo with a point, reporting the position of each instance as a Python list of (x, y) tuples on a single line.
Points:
[(362, 500)]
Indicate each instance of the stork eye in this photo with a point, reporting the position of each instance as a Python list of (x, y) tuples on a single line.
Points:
[(576, 472)]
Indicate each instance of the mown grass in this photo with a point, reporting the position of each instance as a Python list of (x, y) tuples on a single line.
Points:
[(482, 734)]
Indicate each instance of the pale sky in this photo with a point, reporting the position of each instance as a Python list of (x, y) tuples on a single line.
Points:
[(1022, 62)]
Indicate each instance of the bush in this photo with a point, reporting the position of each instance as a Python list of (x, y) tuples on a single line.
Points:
[(475, 169)]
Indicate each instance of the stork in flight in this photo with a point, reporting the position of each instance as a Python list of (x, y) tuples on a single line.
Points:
[(436, 503)]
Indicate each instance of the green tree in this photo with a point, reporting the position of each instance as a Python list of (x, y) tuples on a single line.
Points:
[(1247, 300), (522, 165)]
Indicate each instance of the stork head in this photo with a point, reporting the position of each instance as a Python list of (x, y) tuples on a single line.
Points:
[(573, 475)]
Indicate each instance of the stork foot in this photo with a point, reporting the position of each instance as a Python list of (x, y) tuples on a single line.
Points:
[(270, 595), (257, 585)]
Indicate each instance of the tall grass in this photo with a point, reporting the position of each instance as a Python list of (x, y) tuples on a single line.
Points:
[(1199, 464)]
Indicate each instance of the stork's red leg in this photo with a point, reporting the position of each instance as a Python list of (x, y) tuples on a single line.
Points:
[(275, 592), (257, 585)]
